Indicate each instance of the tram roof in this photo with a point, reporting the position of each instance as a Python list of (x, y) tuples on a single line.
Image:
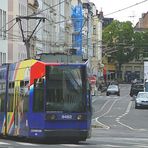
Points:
[(60, 58)]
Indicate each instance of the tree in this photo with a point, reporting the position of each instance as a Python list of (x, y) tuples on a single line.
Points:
[(118, 40), (123, 43)]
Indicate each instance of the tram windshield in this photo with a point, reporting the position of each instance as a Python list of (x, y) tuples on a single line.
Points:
[(65, 88)]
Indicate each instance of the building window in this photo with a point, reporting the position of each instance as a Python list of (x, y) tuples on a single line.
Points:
[(4, 57), (62, 8), (62, 15), (4, 24), (0, 58), (0, 22)]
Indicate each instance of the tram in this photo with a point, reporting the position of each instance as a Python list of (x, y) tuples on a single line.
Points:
[(45, 100)]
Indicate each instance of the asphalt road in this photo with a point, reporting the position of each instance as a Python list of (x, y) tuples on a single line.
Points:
[(116, 123), (122, 124)]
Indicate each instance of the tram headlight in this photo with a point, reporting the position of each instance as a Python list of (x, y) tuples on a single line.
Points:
[(50, 117), (81, 117)]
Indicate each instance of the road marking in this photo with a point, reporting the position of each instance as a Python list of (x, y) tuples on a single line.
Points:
[(27, 144), (142, 146), (102, 125), (109, 145), (121, 116), (97, 119), (71, 145), (4, 143), (103, 106), (108, 109)]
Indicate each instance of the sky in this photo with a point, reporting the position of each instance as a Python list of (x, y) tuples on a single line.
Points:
[(131, 14)]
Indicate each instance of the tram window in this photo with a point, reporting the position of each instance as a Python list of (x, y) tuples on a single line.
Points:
[(2, 96), (0, 86), (26, 83), (11, 85), (11, 96), (24, 94), (2, 74), (1, 104), (38, 100), (3, 86), (21, 83)]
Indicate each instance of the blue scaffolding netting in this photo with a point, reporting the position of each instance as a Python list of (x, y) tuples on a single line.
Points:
[(77, 19)]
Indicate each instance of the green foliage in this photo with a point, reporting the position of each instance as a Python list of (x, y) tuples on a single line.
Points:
[(122, 42)]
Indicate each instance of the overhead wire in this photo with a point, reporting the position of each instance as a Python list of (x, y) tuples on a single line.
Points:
[(63, 21), (34, 14), (64, 1), (50, 7), (7, 23), (126, 7), (10, 34), (11, 26)]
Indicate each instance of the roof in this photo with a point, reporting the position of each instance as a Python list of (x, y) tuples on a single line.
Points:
[(60, 58)]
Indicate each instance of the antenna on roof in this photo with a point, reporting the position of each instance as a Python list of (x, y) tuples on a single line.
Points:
[(132, 17)]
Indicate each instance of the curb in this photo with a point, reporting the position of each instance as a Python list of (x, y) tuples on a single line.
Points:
[(96, 126)]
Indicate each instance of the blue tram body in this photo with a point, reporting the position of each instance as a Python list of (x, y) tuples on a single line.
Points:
[(45, 100)]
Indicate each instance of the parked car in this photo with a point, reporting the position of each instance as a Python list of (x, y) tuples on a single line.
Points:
[(113, 90), (141, 100), (135, 88)]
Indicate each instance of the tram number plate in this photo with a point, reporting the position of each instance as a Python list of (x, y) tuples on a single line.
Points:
[(66, 116)]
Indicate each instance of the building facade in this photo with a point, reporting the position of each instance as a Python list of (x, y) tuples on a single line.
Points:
[(143, 21), (55, 34), (3, 34), (52, 35), (96, 40), (32, 8), (16, 47)]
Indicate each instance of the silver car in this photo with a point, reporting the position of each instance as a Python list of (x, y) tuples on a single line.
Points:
[(113, 90), (141, 100)]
